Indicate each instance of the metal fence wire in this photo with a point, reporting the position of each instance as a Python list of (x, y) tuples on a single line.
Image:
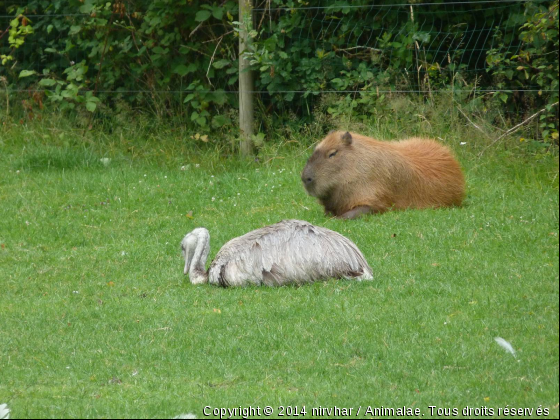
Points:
[(311, 47), (420, 40)]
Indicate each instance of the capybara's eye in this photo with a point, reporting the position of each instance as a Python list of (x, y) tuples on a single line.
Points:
[(332, 153)]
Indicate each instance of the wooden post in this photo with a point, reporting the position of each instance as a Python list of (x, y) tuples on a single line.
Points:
[(245, 80)]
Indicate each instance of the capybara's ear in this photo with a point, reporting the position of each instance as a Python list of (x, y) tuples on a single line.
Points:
[(347, 138)]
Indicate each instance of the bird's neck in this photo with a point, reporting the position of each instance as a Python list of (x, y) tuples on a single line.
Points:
[(198, 276), (197, 272)]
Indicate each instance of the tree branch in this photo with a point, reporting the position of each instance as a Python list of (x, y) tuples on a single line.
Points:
[(514, 129), (355, 48), (472, 123), (212, 59)]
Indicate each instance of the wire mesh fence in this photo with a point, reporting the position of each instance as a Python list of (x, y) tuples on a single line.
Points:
[(135, 49), (425, 43)]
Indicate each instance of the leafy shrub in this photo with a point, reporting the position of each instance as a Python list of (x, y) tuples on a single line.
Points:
[(535, 64), (179, 59)]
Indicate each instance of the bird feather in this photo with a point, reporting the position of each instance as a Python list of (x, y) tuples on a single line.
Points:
[(505, 345), (4, 412)]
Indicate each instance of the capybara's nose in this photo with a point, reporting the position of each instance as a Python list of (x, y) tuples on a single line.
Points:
[(306, 179)]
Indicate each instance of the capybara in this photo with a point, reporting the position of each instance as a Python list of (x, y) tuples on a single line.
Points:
[(352, 174)]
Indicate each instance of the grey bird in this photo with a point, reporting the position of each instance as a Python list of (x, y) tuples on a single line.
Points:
[(288, 252)]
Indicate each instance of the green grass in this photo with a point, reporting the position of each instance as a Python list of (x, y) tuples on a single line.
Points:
[(97, 319)]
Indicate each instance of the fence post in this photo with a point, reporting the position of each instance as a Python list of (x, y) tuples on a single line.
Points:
[(245, 80)]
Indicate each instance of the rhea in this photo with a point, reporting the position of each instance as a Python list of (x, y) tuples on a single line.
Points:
[(288, 252)]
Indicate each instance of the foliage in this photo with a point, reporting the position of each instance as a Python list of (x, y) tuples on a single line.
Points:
[(19, 29), (536, 63), (350, 50), (89, 50), (179, 59)]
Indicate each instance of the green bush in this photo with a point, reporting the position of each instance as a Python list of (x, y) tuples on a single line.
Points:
[(535, 63), (179, 59)]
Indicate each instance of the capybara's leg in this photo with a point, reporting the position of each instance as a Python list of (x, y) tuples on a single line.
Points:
[(356, 212)]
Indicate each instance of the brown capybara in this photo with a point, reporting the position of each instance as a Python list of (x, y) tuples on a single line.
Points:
[(352, 174)]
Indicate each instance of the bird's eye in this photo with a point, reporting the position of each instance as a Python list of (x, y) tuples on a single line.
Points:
[(332, 153)]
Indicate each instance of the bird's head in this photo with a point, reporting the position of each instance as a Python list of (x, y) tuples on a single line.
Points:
[(189, 243)]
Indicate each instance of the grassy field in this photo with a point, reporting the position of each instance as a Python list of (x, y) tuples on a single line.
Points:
[(97, 319)]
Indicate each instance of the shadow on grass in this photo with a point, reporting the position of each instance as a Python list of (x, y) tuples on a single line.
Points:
[(57, 160)]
